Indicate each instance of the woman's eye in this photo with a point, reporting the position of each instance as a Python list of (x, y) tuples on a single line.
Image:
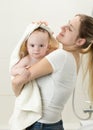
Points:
[(69, 28)]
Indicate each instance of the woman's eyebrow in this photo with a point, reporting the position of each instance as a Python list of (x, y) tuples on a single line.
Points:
[(71, 25)]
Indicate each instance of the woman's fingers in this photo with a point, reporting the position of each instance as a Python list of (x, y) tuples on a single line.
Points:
[(41, 22)]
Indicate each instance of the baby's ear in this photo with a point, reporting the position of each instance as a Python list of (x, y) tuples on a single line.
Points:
[(21, 54), (48, 49), (81, 41)]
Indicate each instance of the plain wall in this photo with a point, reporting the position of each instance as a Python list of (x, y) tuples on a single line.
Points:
[(15, 15)]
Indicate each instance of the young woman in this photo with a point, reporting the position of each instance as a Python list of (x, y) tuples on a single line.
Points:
[(56, 73)]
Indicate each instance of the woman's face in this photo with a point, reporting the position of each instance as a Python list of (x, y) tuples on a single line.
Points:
[(70, 32)]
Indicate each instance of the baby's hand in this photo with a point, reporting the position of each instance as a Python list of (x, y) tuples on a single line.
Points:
[(21, 70)]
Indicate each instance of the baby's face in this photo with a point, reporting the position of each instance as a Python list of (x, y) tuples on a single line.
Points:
[(37, 44)]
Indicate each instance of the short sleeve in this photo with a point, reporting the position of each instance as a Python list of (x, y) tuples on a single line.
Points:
[(57, 59)]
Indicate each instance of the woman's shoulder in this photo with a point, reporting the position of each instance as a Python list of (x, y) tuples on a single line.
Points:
[(57, 55), (60, 55), (58, 51), (61, 50)]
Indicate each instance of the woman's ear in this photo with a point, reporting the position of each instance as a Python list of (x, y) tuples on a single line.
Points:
[(80, 41)]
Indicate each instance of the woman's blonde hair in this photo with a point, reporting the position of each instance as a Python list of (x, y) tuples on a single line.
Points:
[(86, 31)]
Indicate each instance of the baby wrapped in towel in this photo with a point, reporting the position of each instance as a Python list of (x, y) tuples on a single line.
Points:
[(36, 42)]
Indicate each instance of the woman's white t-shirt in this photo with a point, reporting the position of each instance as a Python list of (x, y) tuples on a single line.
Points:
[(57, 87)]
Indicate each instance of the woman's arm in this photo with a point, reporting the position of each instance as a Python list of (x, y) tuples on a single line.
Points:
[(17, 85), (43, 67), (19, 67)]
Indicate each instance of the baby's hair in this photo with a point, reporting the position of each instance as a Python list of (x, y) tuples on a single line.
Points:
[(53, 44)]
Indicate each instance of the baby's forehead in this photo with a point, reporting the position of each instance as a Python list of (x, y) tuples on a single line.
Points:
[(43, 31), (38, 36), (38, 33)]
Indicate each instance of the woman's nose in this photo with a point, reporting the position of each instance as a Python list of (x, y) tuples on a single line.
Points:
[(64, 28)]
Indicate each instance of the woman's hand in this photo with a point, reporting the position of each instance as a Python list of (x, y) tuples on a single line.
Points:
[(41, 22), (20, 80)]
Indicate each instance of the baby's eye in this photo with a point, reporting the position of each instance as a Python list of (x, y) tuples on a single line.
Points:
[(32, 45), (41, 45)]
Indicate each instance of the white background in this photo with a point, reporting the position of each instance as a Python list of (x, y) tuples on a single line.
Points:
[(15, 15)]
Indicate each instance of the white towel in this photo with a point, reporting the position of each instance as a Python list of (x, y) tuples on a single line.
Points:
[(28, 105)]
